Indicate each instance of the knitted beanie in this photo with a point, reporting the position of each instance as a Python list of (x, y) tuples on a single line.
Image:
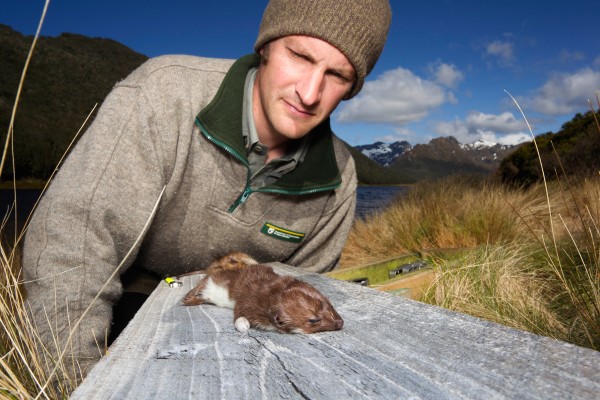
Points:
[(358, 28)]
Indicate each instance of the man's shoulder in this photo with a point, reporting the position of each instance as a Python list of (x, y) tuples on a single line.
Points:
[(343, 157), (187, 61), (341, 147), (176, 64)]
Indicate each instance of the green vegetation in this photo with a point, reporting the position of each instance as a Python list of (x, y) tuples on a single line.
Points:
[(423, 168), (529, 256), (574, 150), (531, 259), (68, 76), (371, 173)]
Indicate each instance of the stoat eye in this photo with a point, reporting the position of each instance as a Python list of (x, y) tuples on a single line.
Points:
[(314, 320)]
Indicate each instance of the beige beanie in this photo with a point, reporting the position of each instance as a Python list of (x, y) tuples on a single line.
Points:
[(358, 28)]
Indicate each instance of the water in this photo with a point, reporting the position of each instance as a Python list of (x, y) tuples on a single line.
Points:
[(26, 199), (371, 199), (368, 199)]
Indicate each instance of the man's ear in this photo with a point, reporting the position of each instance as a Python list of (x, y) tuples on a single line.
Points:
[(264, 53)]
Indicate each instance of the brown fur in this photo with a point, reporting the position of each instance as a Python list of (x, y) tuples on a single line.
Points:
[(267, 300), (235, 260)]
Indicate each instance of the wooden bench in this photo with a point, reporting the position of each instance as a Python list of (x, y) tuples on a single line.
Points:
[(390, 347)]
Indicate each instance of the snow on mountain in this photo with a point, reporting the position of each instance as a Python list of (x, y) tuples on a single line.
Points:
[(446, 149), (384, 153)]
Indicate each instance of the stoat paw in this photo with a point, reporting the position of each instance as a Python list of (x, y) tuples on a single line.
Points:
[(242, 325)]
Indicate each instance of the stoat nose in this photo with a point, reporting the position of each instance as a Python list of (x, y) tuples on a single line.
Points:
[(339, 323)]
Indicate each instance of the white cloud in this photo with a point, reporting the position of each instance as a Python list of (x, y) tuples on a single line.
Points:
[(514, 138), (456, 128), (447, 75), (397, 96), (503, 123), (503, 128), (503, 50), (564, 93), (400, 133), (597, 62)]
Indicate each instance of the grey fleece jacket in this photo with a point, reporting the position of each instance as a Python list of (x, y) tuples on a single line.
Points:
[(147, 136)]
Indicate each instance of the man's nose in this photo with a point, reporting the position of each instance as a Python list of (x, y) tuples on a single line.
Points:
[(310, 87)]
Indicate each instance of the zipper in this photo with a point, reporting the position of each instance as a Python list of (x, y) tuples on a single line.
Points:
[(248, 190), (240, 200)]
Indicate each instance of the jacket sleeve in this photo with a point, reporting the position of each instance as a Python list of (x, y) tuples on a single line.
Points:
[(86, 223), (321, 251)]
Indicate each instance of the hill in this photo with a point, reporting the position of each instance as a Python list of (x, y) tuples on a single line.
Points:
[(67, 76), (438, 158), (572, 151), (446, 156), (371, 173), (384, 153)]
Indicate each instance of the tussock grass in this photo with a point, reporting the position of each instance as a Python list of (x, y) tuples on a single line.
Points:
[(534, 265), (24, 362), (456, 212), (533, 254), (501, 284), (532, 259), (28, 369)]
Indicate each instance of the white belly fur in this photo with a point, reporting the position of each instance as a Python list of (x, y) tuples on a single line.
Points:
[(218, 295)]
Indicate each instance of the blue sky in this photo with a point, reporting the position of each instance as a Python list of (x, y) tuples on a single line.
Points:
[(444, 70)]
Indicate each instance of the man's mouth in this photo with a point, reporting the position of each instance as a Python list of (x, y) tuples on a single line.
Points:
[(299, 110)]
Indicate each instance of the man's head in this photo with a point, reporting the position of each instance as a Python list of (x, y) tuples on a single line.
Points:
[(358, 28), (299, 83)]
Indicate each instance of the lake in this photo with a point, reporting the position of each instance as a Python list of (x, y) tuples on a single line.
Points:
[(371, 199), (368, 199)]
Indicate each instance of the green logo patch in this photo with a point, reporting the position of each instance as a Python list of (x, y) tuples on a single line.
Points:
[(281, 233)]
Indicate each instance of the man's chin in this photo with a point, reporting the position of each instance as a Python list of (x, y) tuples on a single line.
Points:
[(295, 135)]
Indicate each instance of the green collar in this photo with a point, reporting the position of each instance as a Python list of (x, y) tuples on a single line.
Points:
[(222, 120)]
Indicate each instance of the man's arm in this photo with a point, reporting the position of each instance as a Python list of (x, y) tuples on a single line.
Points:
[(87, 222)]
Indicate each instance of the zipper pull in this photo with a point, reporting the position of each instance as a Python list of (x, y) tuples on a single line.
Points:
[(240, 200)]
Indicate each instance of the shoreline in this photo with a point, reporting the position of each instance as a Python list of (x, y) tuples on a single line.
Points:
[(23, 184)]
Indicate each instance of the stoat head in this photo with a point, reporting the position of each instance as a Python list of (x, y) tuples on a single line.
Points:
[(236, 260), (300, 308)]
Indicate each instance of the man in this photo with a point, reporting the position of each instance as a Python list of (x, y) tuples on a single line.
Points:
[(236, 157)]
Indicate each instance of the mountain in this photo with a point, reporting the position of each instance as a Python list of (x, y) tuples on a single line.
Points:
[(483, 154), (572, 151), (438, 158), (372, 173), (384, 153), (67, 76)]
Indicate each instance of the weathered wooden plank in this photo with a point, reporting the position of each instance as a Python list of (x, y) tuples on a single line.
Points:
[(390, 347)]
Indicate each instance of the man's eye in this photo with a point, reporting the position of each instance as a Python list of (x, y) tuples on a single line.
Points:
[(341, 78), (298, 55)]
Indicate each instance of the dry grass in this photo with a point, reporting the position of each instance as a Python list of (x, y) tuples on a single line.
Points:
[(534, 258), (453, 213), (535, 266), (498, 283), (24, 362), (28, 369), (534, 254)]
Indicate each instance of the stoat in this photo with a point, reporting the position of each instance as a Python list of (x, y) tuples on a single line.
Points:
[(262, 299)]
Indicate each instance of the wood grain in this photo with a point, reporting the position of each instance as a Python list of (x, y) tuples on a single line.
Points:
[(390, 347)]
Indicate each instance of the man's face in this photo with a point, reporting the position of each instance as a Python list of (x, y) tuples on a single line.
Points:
[(301, 83)]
